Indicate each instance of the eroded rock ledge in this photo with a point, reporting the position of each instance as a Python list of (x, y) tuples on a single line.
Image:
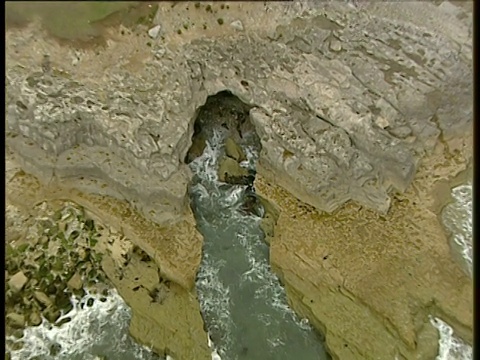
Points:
[(346, 101)]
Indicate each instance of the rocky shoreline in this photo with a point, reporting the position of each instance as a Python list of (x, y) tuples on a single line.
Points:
[(364, 118), (55, 259)]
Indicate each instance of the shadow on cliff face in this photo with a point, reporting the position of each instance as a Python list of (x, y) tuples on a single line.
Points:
[(228, 113)]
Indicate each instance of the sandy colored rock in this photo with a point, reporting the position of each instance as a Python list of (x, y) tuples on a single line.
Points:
[(313, 108), (233, 150), (164, 316), (35, 319), (75, 282), (176, 325), (16, 320), (51, 314), (42, 298), (230, 171), (73, 121), (339, 269), (17, 281)]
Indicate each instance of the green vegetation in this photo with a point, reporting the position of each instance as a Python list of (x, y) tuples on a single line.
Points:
[(46, 269)]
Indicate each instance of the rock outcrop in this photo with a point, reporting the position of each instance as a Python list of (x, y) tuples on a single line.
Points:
[(369, 282), (346, 100), (334, 126)]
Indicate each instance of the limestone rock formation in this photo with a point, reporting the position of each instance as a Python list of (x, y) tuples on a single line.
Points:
[(317, 111), (347, 102)]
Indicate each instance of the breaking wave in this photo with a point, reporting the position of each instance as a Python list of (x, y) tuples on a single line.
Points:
[(243, 303), (98, 329), (457, 218)]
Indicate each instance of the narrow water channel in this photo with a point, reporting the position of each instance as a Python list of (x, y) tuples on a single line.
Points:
[(243, 303)]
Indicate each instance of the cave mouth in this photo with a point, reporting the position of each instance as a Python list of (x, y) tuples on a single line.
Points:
[(243, 304), (226, 113)]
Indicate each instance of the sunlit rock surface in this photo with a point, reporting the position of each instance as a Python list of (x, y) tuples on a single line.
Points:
[(352, 101)]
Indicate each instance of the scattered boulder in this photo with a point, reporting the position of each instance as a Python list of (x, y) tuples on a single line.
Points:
[(16, 320), (154, 31), (51, 314), (75, 282), (17, 282), (237, 25), (35, 319), (42, 299), (234, 151), (335, 45), (231, 172)]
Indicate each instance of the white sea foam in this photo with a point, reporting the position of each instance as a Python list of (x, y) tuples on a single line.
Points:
[(457, 218), (88, 335), (214, 297), (219, 205), (450, 347)]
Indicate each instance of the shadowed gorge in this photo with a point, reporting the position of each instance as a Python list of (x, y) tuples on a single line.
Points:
[(243, 304)]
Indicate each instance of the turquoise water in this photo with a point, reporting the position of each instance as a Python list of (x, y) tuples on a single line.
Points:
[(243, 303)]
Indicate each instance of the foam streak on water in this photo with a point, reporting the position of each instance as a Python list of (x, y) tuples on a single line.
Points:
[(93, 332), (242, 301), (457, 218), (450, 347)]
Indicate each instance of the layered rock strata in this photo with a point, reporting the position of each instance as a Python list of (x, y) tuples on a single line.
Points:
[(165, 316), (346, 101)]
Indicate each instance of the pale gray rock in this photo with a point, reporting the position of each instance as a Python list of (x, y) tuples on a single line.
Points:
[(237, 25), (154, 31), (335, 45), (334, 125)]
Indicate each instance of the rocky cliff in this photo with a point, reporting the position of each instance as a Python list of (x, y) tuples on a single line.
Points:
[(346, 99)]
